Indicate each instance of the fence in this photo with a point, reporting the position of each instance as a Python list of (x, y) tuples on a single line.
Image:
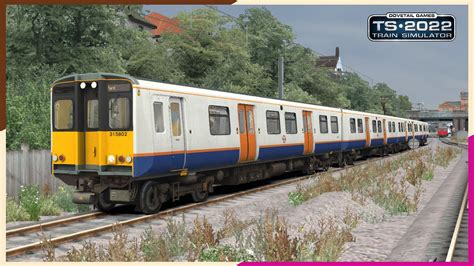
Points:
[(29, 167)]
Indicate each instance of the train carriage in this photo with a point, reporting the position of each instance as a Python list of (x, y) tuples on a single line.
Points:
[(119, 139)]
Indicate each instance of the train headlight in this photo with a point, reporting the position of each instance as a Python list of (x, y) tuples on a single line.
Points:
[(82, 85), (111, 159), (55, 158), (62, 158), (94, 85), (128, 159), (121, 159)]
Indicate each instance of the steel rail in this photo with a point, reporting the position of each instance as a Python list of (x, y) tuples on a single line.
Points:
[(53, 223), (454, 239), (101, 229)]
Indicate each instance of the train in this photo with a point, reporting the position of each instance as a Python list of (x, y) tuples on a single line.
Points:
[(124, 140)]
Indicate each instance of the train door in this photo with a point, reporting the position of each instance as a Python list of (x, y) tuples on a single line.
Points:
[(384, 126), (91, 126), (308, 132), (367, 132), (248, 144), (178, 141)]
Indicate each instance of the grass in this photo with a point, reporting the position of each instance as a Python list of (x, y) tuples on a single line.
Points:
[(379, 181), (32, 204), (267, 238)]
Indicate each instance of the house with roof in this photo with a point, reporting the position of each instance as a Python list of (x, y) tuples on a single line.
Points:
[(332, 62), (155, 23), (452, 106)]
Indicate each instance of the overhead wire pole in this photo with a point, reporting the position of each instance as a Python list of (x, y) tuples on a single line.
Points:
[(281, 75)]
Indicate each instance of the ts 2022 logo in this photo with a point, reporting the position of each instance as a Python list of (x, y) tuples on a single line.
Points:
[(411, 27)]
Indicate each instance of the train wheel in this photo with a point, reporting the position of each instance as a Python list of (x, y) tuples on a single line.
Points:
[(103, 204), (149, 199), (199, 196)]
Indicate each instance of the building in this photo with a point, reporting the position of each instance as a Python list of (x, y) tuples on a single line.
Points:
[(138, 21), (454, 106), (332, 62), (155, 23), (163, 24)]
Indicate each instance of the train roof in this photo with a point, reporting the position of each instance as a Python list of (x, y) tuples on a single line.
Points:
[(249, 98), (144, 83), (94, 76)]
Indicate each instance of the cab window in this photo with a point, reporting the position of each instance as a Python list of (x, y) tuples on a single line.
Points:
[(63, 114), (119, 113)]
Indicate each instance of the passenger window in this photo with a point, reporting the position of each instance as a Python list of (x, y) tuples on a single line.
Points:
[(219, 121), (379, 123), (290, 123), (389, 127), (175, 119), (63, 114), (158, 115), (352, 122), (393, 127), (416, 127), (374, 126), (323, 124), (273, 122), (334, 125), (119, 113), (360, 126), (93, 114)]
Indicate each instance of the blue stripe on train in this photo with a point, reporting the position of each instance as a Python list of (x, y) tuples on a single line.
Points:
[(272, 153), (158, 165)]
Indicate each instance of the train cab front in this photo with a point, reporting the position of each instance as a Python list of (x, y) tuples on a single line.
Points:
[(92, 135)]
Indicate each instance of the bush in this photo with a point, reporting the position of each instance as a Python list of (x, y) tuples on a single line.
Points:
[(15, 212), (296, 198), (49, 207), (63, 199), (30, 200)]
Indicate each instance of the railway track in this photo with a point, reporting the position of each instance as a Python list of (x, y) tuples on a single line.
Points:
[(23, 240), (449, 142), (458, 249)]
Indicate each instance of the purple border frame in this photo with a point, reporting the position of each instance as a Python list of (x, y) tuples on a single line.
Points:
[(470, 239)]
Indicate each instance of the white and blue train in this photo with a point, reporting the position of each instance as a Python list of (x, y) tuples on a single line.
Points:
[(119, 139)]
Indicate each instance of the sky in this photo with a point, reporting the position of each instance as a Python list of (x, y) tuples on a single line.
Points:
[(427, 72)]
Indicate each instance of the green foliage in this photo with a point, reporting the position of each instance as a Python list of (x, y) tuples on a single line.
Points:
[(32, 205), (63, 199), (296, 198), (45, 42), (29, 198), (225, 253), (49, 207), (15, 212)]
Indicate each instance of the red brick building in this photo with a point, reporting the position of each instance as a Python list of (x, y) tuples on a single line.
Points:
[(452, 106)]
